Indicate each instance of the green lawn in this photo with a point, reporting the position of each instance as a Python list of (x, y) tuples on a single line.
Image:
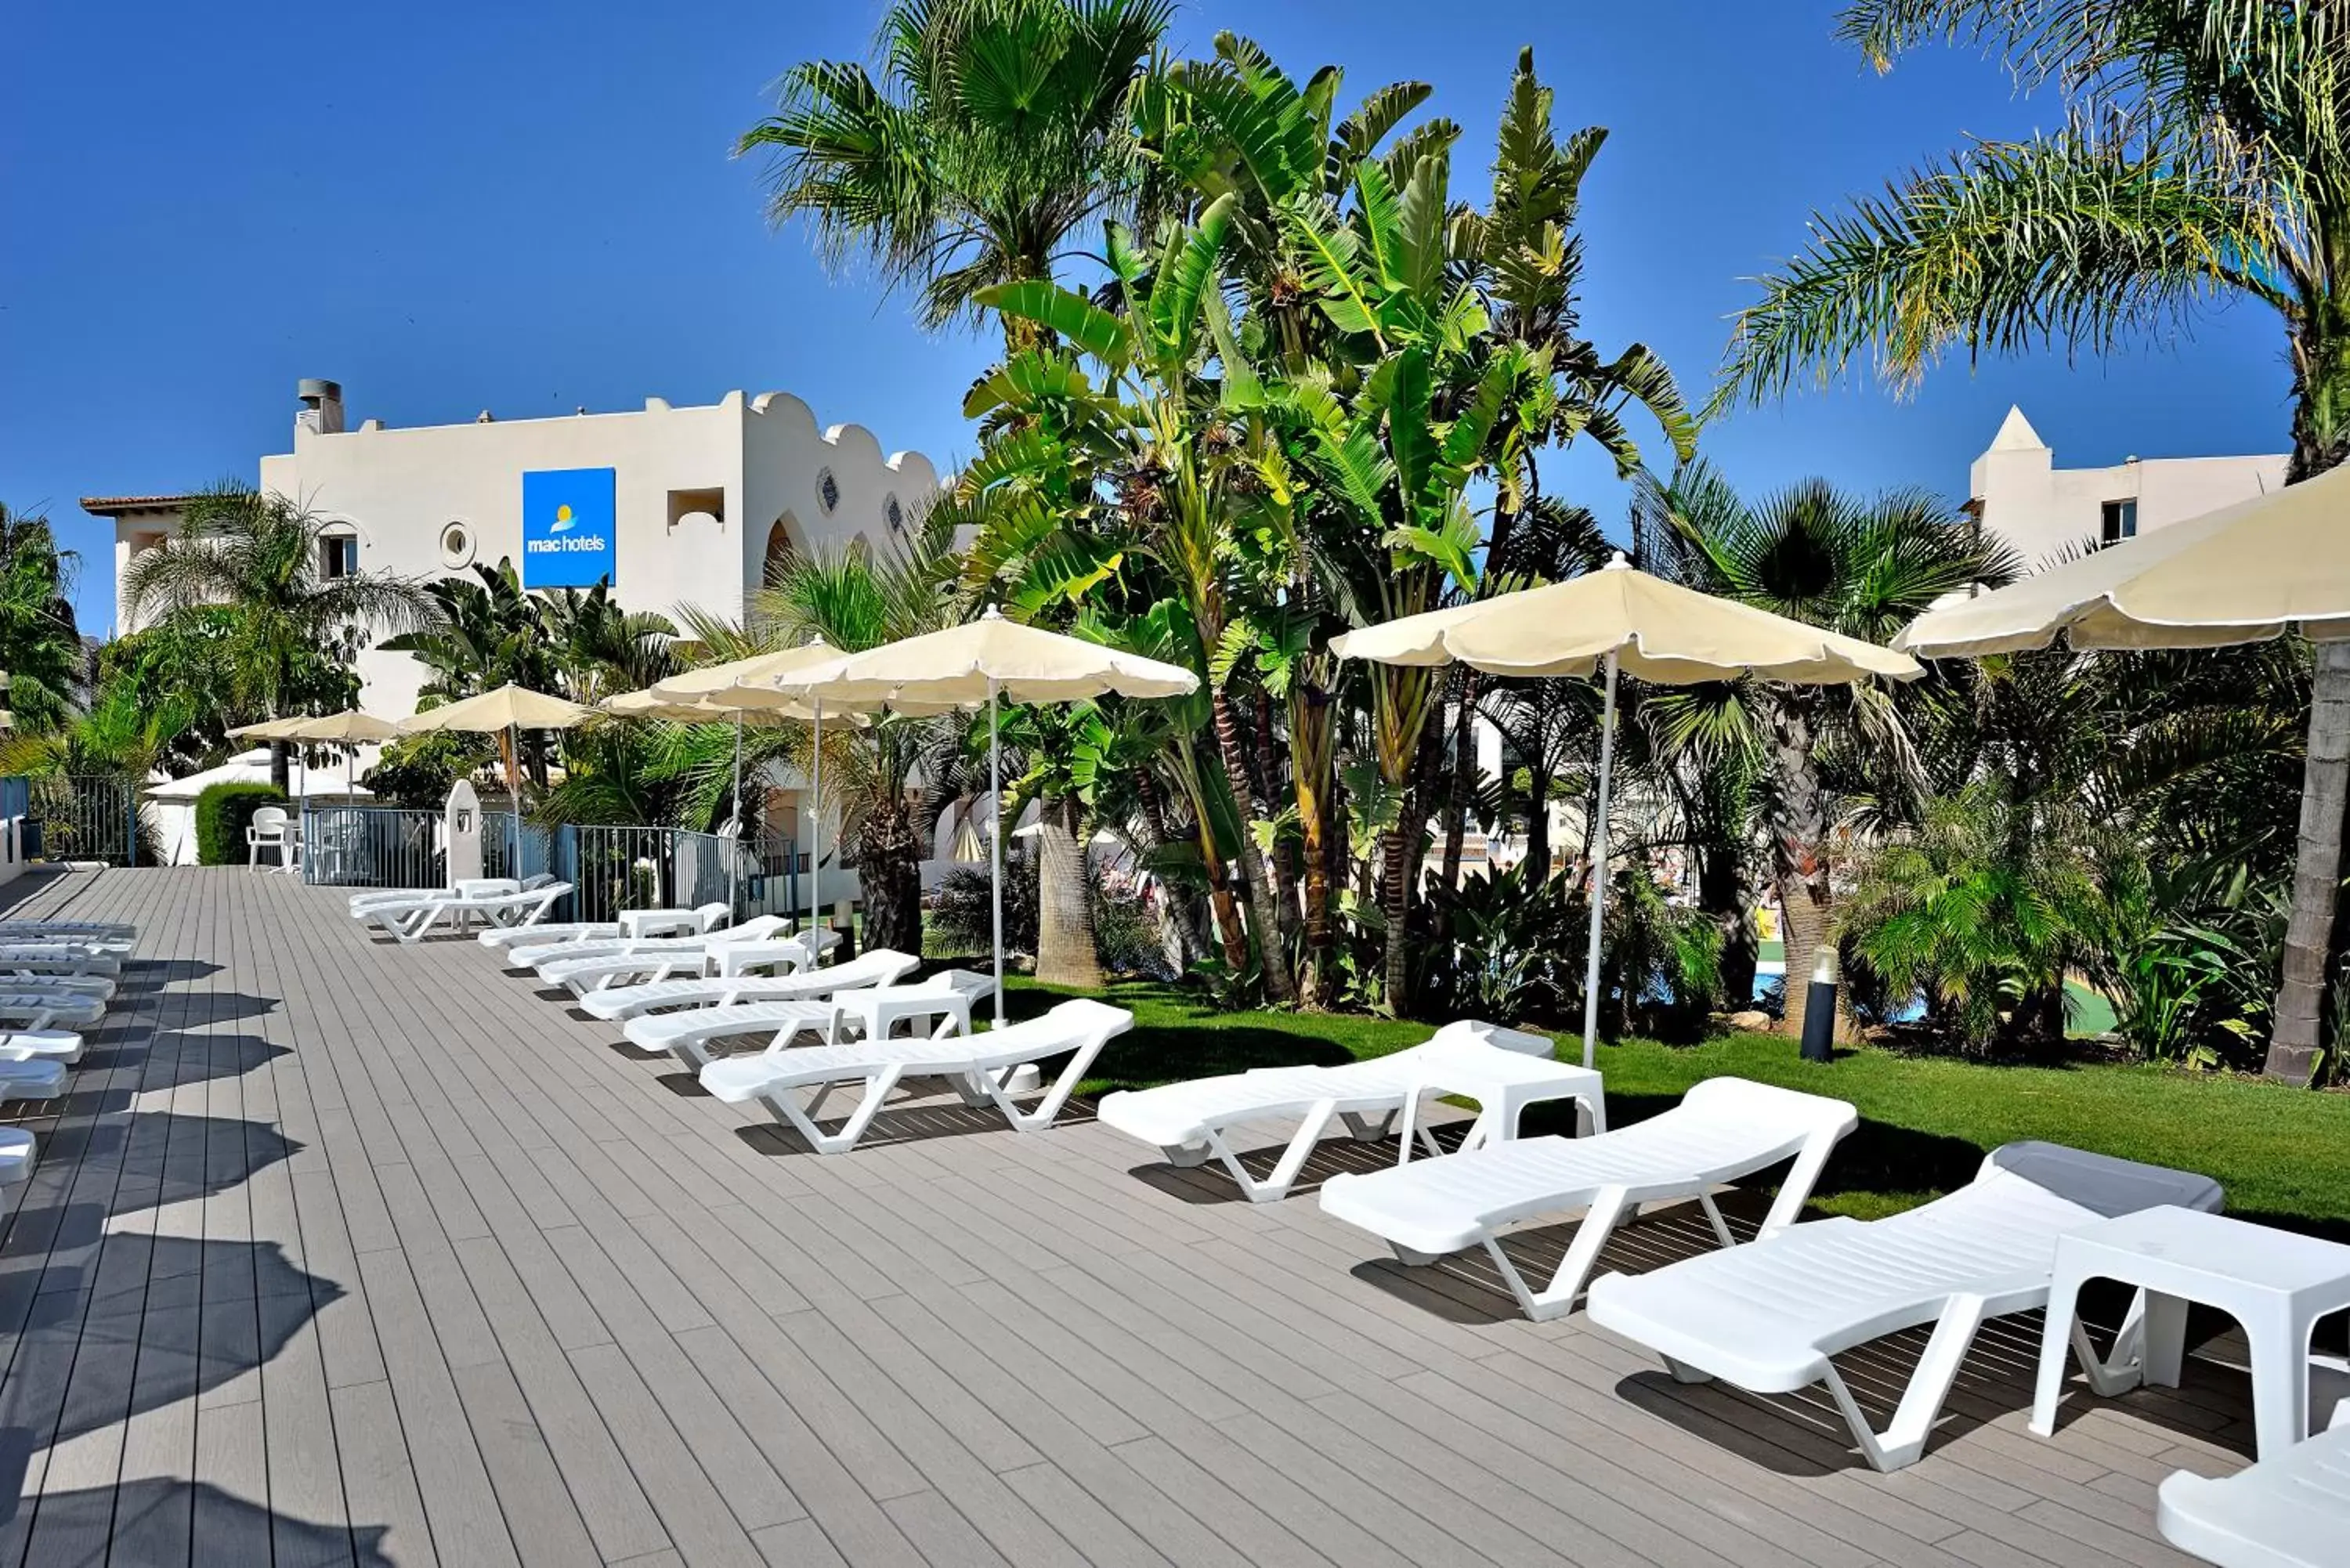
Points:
[(2284, 1155)]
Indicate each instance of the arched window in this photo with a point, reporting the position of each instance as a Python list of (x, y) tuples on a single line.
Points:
[(781, 548)]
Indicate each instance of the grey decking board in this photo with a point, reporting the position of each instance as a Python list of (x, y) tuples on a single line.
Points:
[(961, 1346)]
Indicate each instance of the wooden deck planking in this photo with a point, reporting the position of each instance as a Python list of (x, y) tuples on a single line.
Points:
[(343, 1251)]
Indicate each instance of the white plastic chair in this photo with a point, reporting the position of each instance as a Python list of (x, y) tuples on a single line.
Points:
[(269, 830)]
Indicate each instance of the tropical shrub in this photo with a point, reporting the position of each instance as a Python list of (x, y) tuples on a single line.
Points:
[(419, 770), (1502, 948), (1983, 910), (962, 917), (224, 811)]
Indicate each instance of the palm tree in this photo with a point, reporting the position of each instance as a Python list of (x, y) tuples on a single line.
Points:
[(856, 600), (2205, 164), (40, 647), (296, 630), (1864, 567), (998, 132)]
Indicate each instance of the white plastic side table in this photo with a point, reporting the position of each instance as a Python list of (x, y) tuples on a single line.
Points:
[(878, 1010), (638, 924), (2276, 1283), (1503, 1084), (733, 961)]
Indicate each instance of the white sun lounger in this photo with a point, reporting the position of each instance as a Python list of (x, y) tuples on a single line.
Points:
[(409, 920), (1768, 1316), (757, 928), (474, 888), (1189, 1121), (979, 1066), (687, 1035), (59, 1045), (108, 931), (57, 958), (584, 977), (2289, 1511), (36, 984), (1724, 1130), (877, 966), (45, 1009), (17, 1150), (32, 1080), (704, 917)]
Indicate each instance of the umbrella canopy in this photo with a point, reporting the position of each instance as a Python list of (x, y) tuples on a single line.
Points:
[(1657, 630), (507, 708), (718, 683), (349, 727), (269, 729), (969, 665), (246, 767), (978, 662), (1620, 619), (2242, 573)]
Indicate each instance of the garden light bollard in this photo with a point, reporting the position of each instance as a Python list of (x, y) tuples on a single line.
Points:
[(1820, 1007)]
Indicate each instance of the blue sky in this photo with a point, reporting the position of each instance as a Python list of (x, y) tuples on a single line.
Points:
[(526, 209)]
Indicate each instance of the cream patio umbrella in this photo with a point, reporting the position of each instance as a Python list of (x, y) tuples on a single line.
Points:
[(269, 730), (510, 708), (721, 707), (741, 685), (1623, 619), (348, 729), (978, 662), (2242, 573)]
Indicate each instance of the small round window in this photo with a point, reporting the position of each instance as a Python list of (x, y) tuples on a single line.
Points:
[(456, 545), (895, 514), (828, 490)]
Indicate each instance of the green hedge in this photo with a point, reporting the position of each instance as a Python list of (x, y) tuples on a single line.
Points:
[(224, 811)]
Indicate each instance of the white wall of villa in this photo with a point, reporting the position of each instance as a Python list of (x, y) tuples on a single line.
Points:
[(2020, 494), (700, 496)]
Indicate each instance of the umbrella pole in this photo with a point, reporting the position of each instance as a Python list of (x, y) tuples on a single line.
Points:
[(513, 788), (1599, 869), (815, 827), (735, 857), (995, 840)]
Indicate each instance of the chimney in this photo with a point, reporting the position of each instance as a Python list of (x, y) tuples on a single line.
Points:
[(322, 405)]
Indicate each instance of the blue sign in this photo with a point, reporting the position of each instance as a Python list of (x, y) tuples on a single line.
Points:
[(568, 524)]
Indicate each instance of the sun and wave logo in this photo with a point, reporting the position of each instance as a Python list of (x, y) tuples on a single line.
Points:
[(563, 522)]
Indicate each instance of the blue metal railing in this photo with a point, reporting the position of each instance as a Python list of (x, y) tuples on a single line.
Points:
[(372, 846), (610, 868)]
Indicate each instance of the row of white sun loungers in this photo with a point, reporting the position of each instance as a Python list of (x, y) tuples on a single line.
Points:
[(55, 979), (1769, 1315)]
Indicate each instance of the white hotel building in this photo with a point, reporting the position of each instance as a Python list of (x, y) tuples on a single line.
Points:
[(2017, 492), (674, 506)]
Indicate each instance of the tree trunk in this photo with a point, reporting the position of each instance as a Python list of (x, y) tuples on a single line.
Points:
[(1803, 926), (1537, 828), (1395, 905), (280, 772), (2321, 441), (1310, 740), (2294, 1044), (889, 874), (1066, 953), (1176, 901), (1264, 917), (1805, 892), (1721, 894), (1065, 914), (1464, 770), (1284, 860)]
